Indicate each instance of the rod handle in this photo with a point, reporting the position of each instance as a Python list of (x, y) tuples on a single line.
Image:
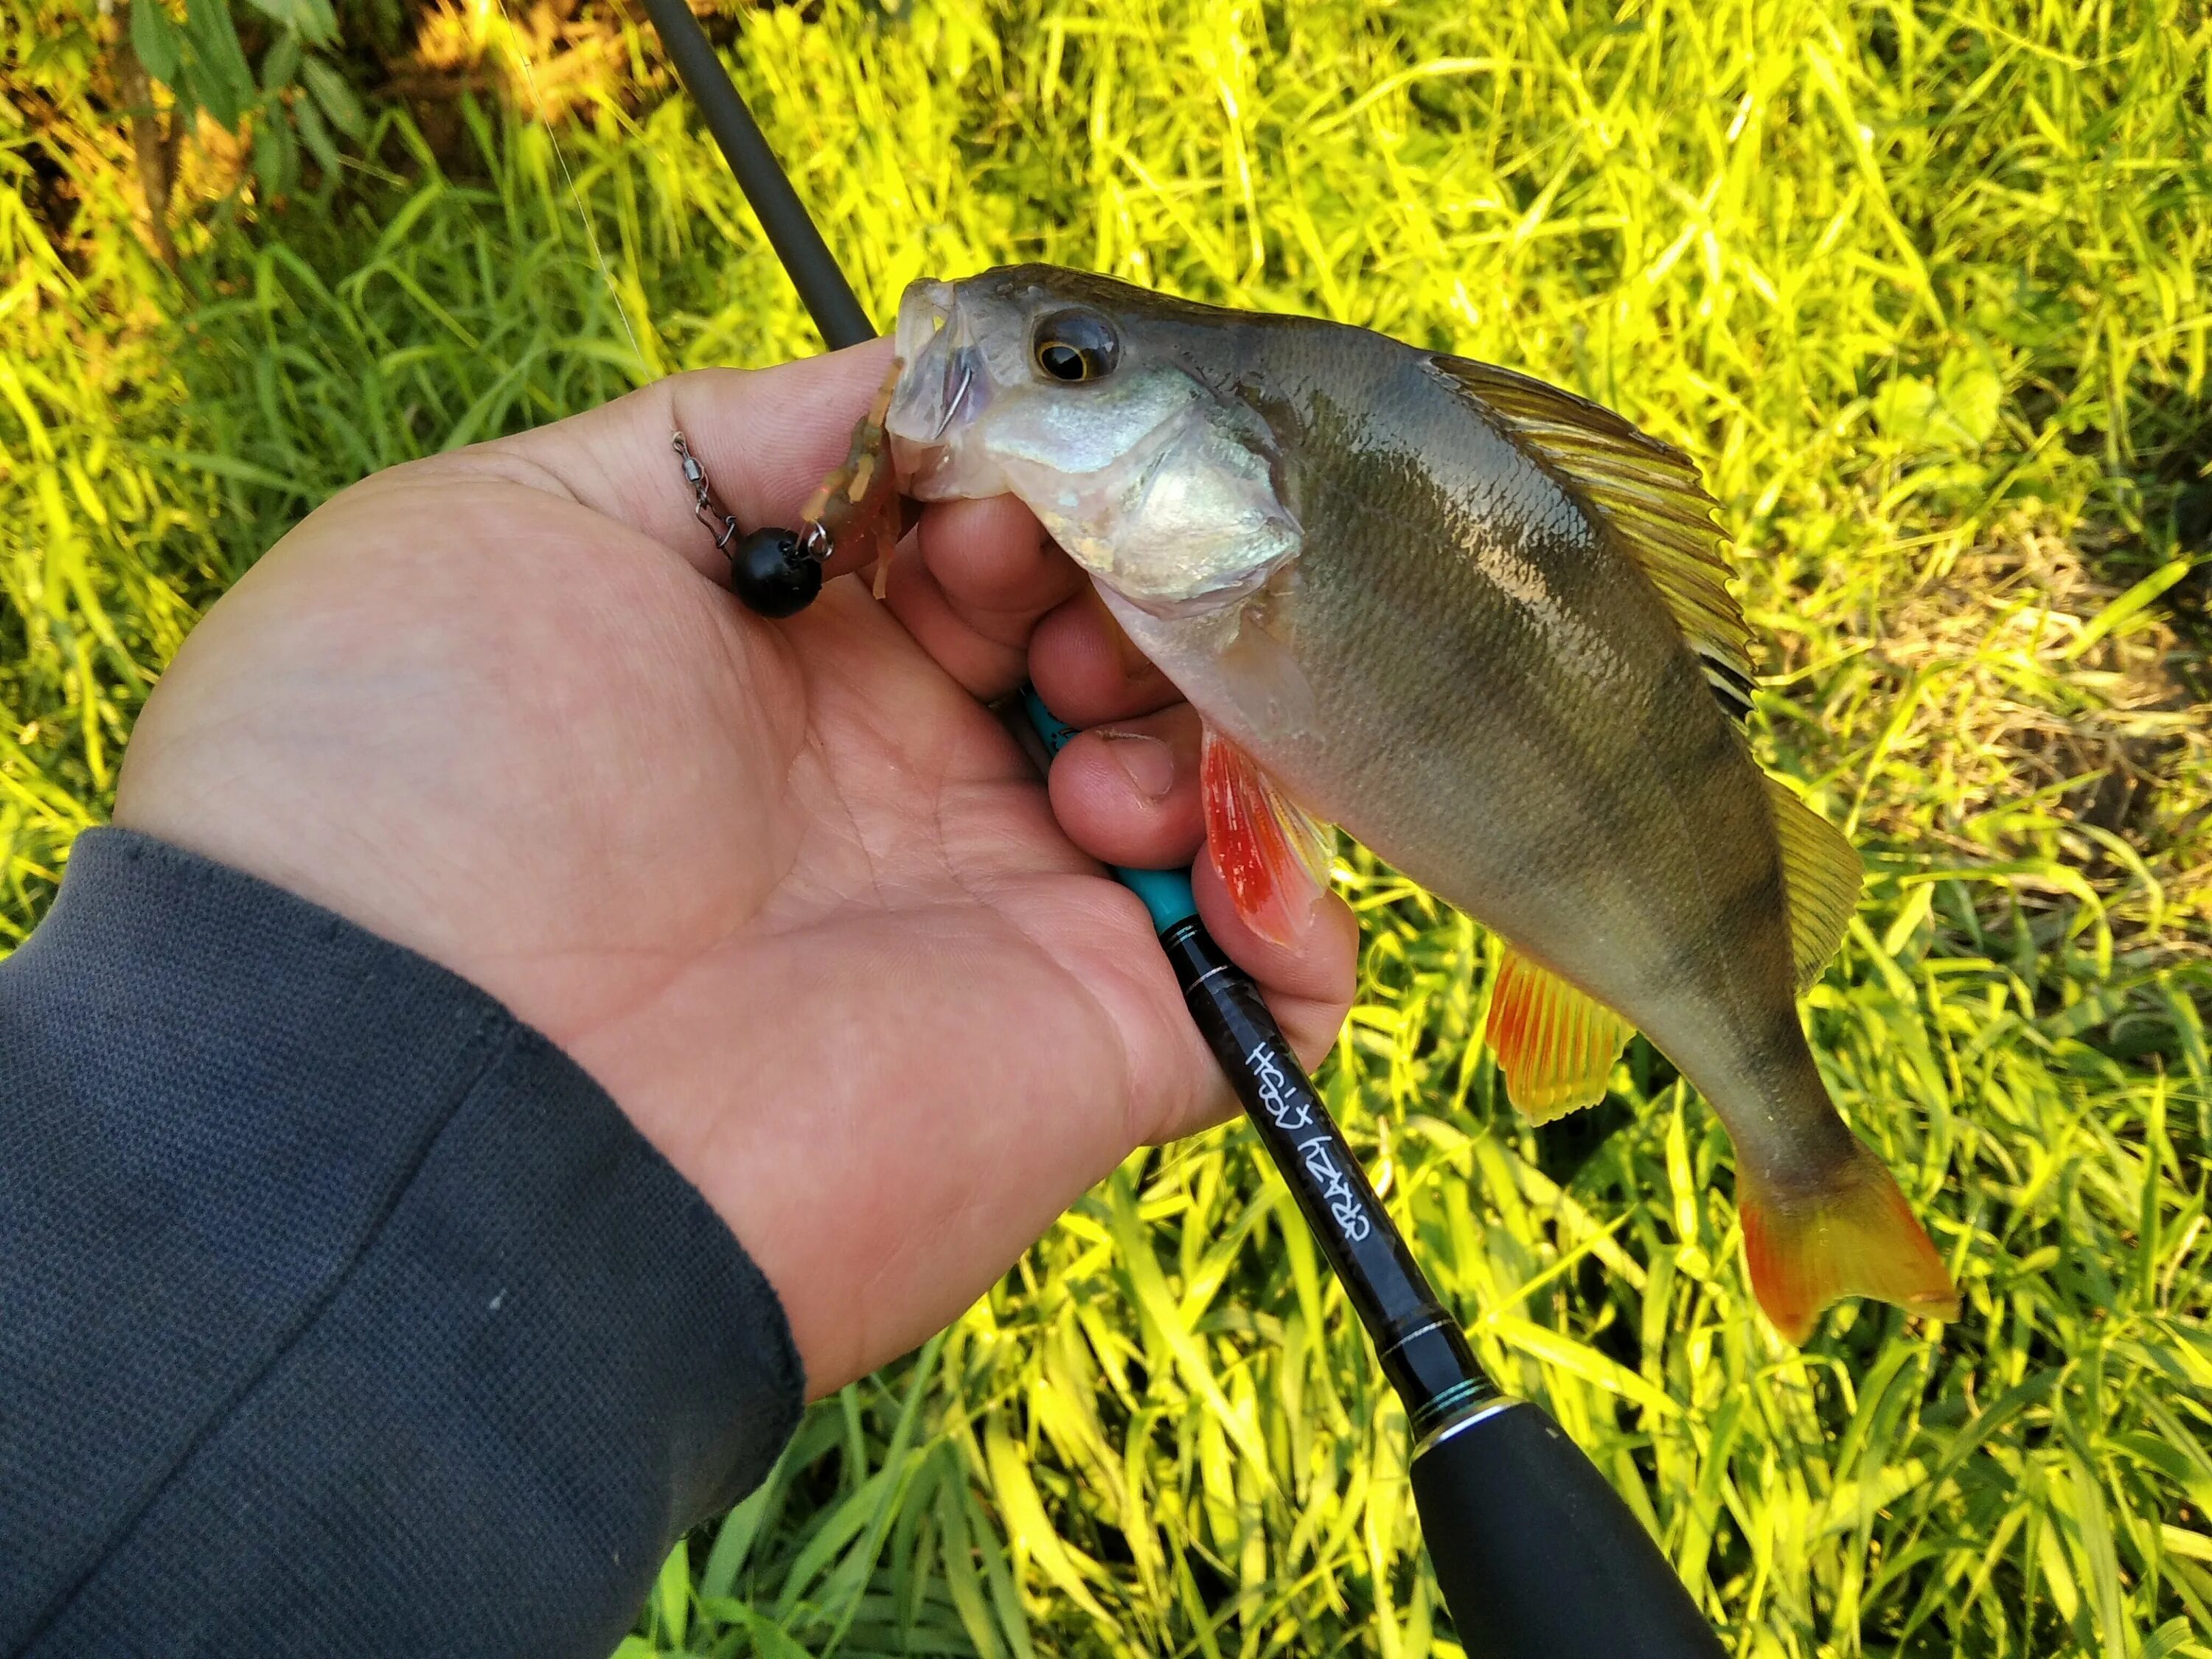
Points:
[(1537, 1555)]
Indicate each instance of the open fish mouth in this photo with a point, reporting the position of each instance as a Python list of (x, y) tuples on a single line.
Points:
[(944, 384)]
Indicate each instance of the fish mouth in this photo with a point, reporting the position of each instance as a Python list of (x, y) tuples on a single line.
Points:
[(943, 386)]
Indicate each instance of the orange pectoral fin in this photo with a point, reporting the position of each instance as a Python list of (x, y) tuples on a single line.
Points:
[(1856, 1237), (1272, 855)]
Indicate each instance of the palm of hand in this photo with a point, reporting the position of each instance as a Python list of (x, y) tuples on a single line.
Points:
[(787, 892)]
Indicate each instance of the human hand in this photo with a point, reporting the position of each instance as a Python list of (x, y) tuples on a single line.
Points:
[(787, 890)]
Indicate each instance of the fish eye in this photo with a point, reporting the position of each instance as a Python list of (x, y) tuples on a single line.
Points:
[(1071, 346)]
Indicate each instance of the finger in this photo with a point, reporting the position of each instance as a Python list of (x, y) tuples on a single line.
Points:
[(1127, 793), (1308, 986), (1087, 671), (1178, 1085), (766, 437), (996, 566), (972, 586), (1307, 989)]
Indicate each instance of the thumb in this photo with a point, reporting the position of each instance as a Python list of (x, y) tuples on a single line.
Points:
[(768, 437)]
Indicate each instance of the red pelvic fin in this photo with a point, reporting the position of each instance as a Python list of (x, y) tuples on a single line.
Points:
[(1273, 855), (1857, 1237)]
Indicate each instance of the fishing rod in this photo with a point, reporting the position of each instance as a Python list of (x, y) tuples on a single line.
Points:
[(1537, 1556)]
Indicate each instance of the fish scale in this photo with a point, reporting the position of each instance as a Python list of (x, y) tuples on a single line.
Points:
[(1497, 817), (1481, 624)]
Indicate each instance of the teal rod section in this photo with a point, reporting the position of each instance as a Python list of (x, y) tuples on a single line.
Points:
[(1166, 893)]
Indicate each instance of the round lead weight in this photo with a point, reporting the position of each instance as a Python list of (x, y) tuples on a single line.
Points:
[(772, 574)]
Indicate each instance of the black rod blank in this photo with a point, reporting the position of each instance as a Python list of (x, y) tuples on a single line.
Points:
[(828, 298), (1423, 1352)]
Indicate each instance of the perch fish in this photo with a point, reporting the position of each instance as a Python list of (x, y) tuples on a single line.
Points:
[(1483, 625)]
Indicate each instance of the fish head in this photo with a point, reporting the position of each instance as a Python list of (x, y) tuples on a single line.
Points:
[(1100, 406)]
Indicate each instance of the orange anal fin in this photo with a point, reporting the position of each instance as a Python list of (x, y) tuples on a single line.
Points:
[(1555, 1044), (1856, 1237), (1272, 855), (858, 503)]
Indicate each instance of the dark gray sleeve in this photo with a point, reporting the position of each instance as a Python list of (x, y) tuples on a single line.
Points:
[(339, 1312)]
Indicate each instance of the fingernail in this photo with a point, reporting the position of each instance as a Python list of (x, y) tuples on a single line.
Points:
[(1149, 763)]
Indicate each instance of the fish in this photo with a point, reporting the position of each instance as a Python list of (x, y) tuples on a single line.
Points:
[(1483, 625)]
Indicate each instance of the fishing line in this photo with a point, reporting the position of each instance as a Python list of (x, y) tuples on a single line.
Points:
[(583, 209), (776, 572)]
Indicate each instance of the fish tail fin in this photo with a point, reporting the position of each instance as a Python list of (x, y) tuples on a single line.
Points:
[(1853, 1235)]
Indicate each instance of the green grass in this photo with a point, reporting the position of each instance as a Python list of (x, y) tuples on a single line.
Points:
[(1929, 294)]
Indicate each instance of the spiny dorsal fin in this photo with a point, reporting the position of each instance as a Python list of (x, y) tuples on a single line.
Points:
[(1647, 492), (1555, 1044), (1821, 875)]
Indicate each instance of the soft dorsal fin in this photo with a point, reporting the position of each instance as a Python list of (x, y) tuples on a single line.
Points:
[(1821, 875), (1646, 492), (1555, 1044)]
